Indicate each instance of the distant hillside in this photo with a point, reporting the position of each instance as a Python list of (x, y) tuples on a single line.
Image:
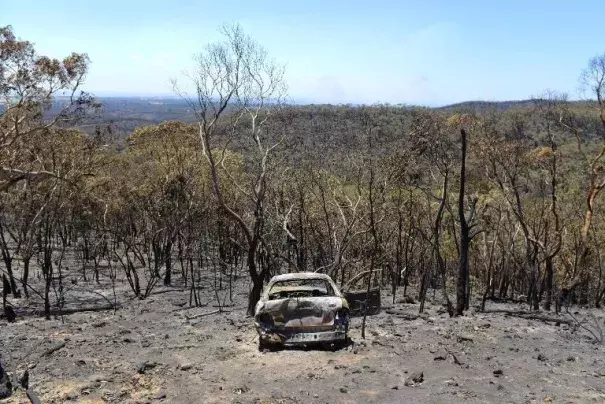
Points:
[(499, 106), (488, 105), (124, 114)]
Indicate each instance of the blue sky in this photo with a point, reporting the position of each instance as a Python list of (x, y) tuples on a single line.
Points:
[(430, 52)]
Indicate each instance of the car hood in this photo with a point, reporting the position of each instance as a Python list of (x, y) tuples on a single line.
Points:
[(303, 312)]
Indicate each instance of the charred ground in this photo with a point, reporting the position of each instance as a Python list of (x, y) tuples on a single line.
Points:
[(159, 349)]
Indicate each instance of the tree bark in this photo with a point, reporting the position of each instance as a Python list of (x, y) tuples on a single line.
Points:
[(8, 262), (464, 235), (168, 258), (24, 279), (549, 283), (257, 279)]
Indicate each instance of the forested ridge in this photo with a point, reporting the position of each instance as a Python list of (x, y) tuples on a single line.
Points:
[(250, 186)]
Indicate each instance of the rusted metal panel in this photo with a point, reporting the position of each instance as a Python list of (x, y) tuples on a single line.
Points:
[(357, 301)]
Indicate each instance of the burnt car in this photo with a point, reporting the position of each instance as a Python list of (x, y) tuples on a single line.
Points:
[(301, 308)]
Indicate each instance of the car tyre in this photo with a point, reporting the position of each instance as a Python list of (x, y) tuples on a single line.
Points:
[(264, 346)]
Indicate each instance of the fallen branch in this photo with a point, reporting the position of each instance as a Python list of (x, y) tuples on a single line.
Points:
[(597, 332), (107, 307), (505, 300), (206, 314), (456, 361), (159, 292), (190, 307), (53, 349), (33, 397), (530, 316), (402, 314)]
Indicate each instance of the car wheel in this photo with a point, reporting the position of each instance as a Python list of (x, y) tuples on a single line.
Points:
[(267, 346), (340, 344)]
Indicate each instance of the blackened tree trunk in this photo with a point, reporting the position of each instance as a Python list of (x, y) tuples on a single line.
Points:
[(47, 270), (8, 262), (374, 232), (25, 277), (464, 235), (548, 283), (254, 296), (256, 277), (437, 244), (168, 258)]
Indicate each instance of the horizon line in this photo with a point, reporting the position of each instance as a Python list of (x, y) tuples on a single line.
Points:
[(304, 102)]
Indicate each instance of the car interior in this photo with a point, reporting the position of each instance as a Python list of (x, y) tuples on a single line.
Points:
[(300, 288)]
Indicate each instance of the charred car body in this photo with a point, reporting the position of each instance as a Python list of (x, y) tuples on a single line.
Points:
[(301, 308)]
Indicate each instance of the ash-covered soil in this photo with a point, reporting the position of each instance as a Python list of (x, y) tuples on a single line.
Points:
[(160, 350)]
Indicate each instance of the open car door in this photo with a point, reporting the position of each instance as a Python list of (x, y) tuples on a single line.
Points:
[(356, 292)]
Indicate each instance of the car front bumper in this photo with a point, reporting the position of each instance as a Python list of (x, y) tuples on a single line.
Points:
[(301, 338), (312, 337)]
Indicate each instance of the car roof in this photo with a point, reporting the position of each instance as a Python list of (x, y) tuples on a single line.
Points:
[(300, 275)]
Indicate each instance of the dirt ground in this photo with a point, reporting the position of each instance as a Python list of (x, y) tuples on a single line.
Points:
[(160, 350)]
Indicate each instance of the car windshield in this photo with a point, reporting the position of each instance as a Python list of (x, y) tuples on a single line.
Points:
[(300, 288)]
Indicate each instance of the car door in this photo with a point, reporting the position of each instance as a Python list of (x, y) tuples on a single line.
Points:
[(357, 295)]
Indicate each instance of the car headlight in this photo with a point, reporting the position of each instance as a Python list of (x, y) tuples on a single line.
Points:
[(341, 317)]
